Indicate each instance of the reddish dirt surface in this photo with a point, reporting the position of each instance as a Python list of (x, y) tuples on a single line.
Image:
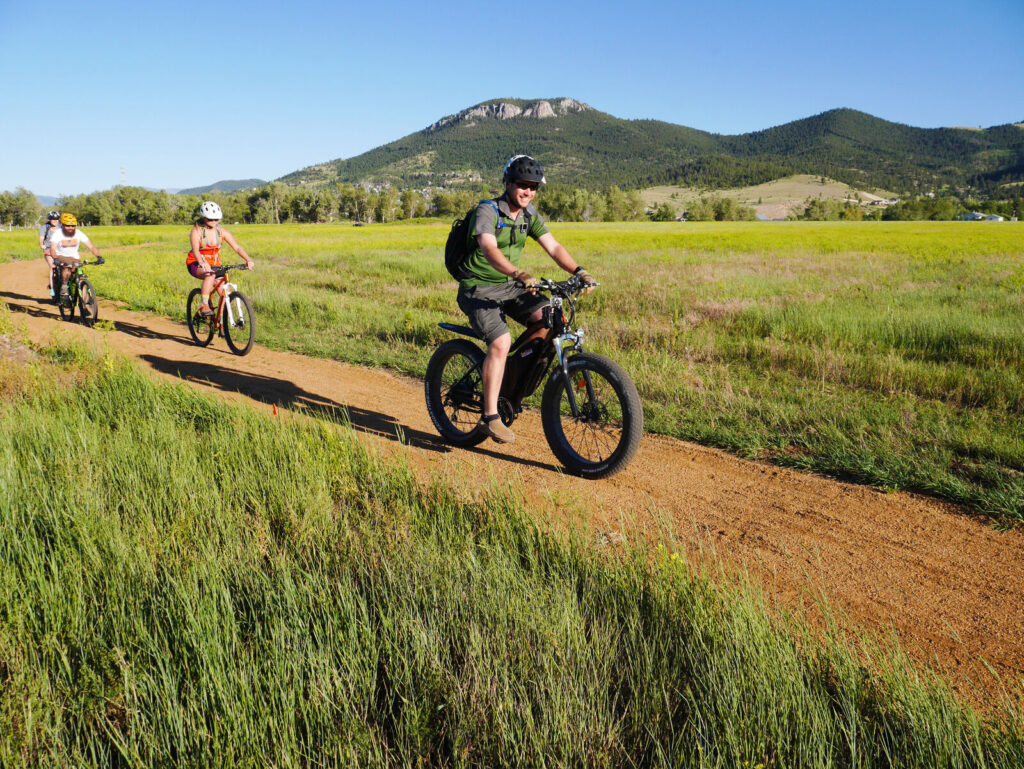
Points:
[(948, 585)]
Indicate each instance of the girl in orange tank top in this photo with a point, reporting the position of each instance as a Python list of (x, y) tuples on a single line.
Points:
[(206, 238)]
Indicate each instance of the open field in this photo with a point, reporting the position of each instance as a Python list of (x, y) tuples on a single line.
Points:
[(336, 611), (886, 353), (774, 199)]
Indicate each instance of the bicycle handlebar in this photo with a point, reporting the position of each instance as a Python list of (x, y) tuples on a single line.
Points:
[(565, 288), (223, 269), (80, 263)]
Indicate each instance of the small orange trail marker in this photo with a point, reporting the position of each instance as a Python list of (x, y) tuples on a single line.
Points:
[(274, 407)]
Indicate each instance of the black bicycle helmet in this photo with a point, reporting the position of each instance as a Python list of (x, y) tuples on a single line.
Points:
[(53, 215), (523, 168)]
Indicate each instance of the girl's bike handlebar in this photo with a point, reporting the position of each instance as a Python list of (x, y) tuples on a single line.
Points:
[(223, 269)]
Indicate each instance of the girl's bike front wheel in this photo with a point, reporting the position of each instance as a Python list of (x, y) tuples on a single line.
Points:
[(87, 305), (199, 326), (454, 391), (605, 433), (239, 323)]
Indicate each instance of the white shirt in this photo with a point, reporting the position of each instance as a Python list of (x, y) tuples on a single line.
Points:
[(66, 246)]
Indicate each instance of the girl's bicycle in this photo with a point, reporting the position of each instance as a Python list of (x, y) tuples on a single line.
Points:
[(232, 314), (590, 409), (81, 294)]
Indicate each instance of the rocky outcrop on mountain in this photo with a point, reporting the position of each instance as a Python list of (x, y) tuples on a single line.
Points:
[(501, 110)]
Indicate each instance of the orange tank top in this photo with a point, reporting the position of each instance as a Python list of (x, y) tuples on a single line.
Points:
[(209, 251)]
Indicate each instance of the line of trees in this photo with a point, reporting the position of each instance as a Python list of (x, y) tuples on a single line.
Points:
[(19, 208), (272, 203), (276, 202), (924, 208)]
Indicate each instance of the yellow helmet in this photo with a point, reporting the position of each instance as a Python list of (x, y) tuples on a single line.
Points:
[(68, 220)]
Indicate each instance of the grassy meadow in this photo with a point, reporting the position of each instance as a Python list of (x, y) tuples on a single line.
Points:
[(167, 601), (885, 353)]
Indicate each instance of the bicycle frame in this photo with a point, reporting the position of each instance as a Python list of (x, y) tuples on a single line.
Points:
[(224, 287), (74, 279), (521, 380)]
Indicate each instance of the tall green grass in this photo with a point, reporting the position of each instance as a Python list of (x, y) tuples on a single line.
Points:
[(185, 582), (886, 353)]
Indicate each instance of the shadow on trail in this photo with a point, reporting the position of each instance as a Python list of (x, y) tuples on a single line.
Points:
[(41, 307), (142, 332), (282, 392), (37, 307)]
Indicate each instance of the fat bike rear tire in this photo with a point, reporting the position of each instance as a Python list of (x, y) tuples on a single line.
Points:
[(454, 392)]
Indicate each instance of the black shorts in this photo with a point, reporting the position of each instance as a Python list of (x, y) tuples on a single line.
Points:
[(487, 306)]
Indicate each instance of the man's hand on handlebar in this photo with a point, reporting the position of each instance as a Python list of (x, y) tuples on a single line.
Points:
[(525, 279), (586, 280)]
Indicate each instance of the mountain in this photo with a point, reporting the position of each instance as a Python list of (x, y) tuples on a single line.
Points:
[(582, 146), (227, 185)]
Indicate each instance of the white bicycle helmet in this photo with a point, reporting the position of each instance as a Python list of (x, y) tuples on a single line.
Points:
[(210, 210)]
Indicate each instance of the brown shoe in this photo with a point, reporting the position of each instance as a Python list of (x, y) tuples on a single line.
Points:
[(496, 429)]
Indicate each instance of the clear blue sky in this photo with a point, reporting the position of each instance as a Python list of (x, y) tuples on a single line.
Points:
[(187, 93)]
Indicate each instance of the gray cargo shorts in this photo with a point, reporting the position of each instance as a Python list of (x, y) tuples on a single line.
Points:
[(487, 306)]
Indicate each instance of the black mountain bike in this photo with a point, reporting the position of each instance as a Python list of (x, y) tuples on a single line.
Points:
[(81, 295), (590, 409)]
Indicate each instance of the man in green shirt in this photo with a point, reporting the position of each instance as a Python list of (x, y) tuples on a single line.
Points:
[(497, 287)]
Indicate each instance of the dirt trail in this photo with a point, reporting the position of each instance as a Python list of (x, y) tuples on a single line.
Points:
[(951, 587)]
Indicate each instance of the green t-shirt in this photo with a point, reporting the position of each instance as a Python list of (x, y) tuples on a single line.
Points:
[(511, 236)]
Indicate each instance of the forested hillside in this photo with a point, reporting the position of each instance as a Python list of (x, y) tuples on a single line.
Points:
[(581, 146)]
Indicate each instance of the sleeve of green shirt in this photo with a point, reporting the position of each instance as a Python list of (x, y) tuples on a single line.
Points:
[(537, 226), (486, 216)]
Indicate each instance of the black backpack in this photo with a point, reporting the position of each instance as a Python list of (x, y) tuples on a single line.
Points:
[(458, 247)]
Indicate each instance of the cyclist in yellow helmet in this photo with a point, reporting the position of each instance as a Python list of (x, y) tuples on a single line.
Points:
[(64, 247)]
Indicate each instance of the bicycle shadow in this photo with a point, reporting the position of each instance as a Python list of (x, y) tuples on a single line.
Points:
[(43, 307), (142, 332), (39, 307), (282, 392)]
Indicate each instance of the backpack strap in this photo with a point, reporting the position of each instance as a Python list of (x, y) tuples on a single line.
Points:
[(498, 223)]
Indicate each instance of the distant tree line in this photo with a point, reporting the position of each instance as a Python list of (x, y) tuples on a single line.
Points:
[(922, 208), (276, 202), (19, 208)]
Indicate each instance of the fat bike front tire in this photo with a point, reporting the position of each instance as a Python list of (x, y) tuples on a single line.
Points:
[(454, 392), (605, 435)]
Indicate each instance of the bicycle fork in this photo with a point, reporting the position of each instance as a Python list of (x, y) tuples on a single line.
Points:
[(229, 315), (575, 344)]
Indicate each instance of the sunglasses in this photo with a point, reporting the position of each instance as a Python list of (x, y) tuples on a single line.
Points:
[(526, 186)]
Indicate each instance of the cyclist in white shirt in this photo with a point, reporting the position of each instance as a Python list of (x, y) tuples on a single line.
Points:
[(64, 247)]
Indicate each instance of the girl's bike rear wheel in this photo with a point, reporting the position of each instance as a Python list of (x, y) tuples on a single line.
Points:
[(240, 326), (454, 391), (88, 306), (199, 326), (603, 438)]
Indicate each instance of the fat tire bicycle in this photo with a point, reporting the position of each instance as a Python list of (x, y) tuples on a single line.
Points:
[(590, 409), (81, 295), (232, 314)]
